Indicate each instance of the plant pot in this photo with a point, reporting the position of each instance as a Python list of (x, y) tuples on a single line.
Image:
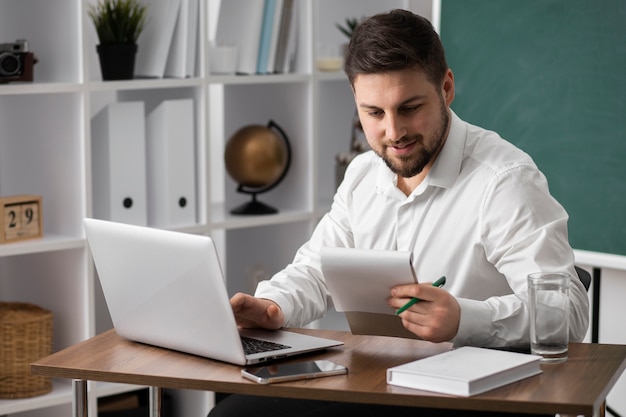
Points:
[(117, 61)]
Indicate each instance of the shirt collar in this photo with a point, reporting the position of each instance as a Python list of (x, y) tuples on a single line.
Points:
[(447, 167)]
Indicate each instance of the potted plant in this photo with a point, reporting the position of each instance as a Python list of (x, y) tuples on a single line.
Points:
[(348, 27), (118, 24)]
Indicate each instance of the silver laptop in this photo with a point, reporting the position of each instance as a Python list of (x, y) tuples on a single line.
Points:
[(167, 289)]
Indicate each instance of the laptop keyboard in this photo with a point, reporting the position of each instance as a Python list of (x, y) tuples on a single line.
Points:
[(258, 346)]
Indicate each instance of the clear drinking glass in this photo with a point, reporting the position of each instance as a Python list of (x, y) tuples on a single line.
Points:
[(548, 301)]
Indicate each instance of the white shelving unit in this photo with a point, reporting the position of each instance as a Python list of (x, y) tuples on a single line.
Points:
[(45, 149)]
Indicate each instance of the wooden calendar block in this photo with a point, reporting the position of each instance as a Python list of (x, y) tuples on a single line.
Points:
[(21, 218)]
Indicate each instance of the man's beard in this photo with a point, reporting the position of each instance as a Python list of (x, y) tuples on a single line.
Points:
[(411, 165)]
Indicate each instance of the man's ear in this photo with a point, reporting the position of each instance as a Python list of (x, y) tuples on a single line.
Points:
[(448, 87)]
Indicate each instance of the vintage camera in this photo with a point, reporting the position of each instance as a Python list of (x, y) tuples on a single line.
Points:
[(16, 62)]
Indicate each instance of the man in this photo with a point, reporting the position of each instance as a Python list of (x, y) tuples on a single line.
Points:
[(468, 204)]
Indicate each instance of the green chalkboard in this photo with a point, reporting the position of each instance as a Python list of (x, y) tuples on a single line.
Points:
[(550, 77)]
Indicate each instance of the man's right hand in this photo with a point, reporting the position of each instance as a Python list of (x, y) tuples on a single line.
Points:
[(251, 312)]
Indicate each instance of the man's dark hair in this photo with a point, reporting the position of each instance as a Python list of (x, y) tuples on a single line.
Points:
[(396, 40)]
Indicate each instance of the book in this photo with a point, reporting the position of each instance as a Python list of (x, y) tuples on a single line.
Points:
[(266, 36), (465, 371), (284, 32), (192, 37), (234, 15), (278, 11), (175, 66), (156, 38)]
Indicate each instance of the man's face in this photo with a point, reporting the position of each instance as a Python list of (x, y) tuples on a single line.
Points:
[(405, 117)]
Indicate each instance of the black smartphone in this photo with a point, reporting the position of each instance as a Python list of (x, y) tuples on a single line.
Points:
[(269, 374)]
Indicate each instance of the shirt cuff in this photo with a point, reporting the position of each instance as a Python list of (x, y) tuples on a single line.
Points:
[(474, 324), (266, 290)]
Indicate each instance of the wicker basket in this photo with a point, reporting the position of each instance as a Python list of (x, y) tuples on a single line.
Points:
[(26, 336)]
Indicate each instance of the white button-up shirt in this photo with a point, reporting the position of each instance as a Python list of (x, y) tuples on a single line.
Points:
[(483, 217)]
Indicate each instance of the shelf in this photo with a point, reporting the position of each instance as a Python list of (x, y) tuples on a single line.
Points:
[(48, 243), (257, 79), (222, 219), (22, 88), (61, 394), (144, 84), (330, 76)]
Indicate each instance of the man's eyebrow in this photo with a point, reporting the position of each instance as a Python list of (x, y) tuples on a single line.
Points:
[(368, 106), (407, 101)]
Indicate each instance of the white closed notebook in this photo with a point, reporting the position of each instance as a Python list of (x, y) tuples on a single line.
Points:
[(465, 371)]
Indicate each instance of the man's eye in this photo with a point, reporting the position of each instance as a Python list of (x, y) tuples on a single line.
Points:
[(375, 113), (410, 109)]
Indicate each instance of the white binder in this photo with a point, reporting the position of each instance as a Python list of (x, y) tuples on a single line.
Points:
[(118, 149), (171, 164), (156, 38)]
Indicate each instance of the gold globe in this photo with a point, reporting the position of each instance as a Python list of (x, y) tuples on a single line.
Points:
[(255, 156), (258, 159)]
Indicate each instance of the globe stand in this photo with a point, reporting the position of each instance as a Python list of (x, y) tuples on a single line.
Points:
[(254, 207)]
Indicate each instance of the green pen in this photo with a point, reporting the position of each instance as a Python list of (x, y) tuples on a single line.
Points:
[(439, 283)]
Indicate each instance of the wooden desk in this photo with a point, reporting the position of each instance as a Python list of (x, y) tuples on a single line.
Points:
[(578, 386)]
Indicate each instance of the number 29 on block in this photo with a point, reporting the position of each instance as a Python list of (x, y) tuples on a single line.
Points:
[(21, 218)]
